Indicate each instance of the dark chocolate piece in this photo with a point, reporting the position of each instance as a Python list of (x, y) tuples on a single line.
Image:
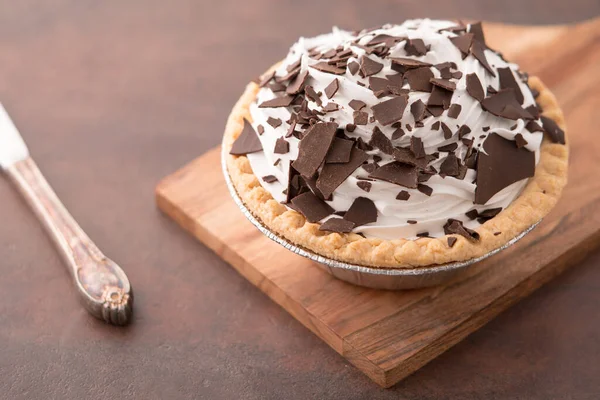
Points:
[(419, 79), (450, 165), (297, 84), (463, 43), (337, 225), (269, 178), (553, 131), (426, 190), (313, 208), (340, 151), (247, 142), (451, 241), (357, 105), (282, 101), (474, 87), (379, 140), (403, 195), (314, 147), (332, 88), (274, 122), (361, 212), (397, 173), (281, 146), (369, 67), (501, 165), (507, 81), (417, 148), (332, 175), (454, 110), (391, 110), (366, 186), (324, 66)]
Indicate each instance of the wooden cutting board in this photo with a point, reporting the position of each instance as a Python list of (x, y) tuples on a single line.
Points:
[(389, 335)]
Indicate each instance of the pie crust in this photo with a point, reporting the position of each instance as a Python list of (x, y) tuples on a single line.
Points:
[(535, 202)]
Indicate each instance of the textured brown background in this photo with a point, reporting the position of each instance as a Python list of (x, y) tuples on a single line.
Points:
[(113, 95)]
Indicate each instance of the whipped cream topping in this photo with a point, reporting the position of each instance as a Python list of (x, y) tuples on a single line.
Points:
[(440, 197)]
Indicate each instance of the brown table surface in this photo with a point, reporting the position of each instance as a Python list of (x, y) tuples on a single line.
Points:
[(113, 95)]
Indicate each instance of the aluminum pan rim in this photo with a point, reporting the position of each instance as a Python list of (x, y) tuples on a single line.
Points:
[(418, 271)]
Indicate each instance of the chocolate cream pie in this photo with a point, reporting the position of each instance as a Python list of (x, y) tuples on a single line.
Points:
[(401, 146)]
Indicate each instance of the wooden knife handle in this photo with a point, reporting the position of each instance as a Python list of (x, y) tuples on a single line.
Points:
[(102, 285)]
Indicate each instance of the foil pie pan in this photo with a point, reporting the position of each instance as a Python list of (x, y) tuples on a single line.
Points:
[(377, 278)]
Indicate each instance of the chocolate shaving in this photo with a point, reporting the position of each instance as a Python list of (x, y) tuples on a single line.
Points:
[(477, 30), (397, 173), (269, 178), (313, 208), (297, 84), (447, 132), (408, 62), (366, 186), (417, 148), (520, 140), (477, 49), (340, 151), (443, 83), (450, 165), (418, 110), (337, 225), (436, 126), (369, 67), (332, 175), (504, 104), (553, 131), (454, 110), (312, 95), (456, 227), (282, 101), (501, 165), (260, 129), (426, 190), (247, 142), (332, 88), (314, 147), (324, 66), (448, 148), (406, 156), (439, 98), (419, 79), (357, 104), (451, 241), (277, 87), (415, 47), (533, 126), (350, 127), (398, 133), (353, 67), (403, 195), (330, 107), (361, 212), (360, 118), (266, 78), (281, 146), (474, 87), (379, 140), (507, 81), (463, 131), (390, 111), (463, 43), (274, 122)]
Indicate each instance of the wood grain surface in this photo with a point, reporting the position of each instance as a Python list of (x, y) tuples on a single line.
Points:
[(390, 335), (112, 96)]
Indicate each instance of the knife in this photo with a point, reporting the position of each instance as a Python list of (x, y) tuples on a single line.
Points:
[(101, 284)]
